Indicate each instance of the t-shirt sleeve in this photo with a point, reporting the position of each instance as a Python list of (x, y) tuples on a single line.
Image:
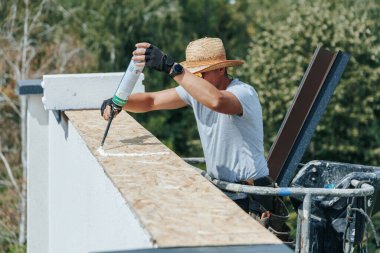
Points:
[(247, 97), (184, 95)]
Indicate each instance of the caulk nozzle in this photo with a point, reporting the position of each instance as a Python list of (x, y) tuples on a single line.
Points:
[(107, 128)]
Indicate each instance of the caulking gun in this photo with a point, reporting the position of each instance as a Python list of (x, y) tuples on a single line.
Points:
[(122, 93)]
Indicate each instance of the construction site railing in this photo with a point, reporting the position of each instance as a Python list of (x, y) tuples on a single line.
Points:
[(303, 221)]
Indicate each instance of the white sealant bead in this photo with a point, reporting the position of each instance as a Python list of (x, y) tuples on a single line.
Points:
[(103, 153), (42, 84)]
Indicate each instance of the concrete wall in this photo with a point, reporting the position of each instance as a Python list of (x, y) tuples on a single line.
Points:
[(72, 205), (86, 212), (38, 175)]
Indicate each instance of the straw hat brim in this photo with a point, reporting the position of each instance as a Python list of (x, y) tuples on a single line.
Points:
[(205, 66)]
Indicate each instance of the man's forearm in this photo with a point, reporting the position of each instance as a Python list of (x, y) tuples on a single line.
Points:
[(139, 102), (165, 99), (199, 89)]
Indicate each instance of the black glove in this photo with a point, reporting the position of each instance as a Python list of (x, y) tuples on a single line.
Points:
[(156, 59), (114, 107)]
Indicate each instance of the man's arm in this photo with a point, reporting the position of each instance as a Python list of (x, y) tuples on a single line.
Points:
[(150, 101), (204, 92), (200, 89)]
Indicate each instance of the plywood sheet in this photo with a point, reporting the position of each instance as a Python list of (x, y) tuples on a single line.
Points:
[(174, 203)]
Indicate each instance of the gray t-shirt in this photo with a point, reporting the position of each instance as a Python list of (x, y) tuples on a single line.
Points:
[(232, 144)]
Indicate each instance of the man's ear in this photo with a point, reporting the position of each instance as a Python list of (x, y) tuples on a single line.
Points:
[(222, 71)]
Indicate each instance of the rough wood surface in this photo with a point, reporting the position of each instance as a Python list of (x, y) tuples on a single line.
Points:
[(174, 203)]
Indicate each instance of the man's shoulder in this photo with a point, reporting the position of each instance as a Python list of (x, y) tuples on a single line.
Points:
[(236, 84)]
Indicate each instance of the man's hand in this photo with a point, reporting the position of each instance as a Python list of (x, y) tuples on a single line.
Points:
[(152, 57), (107, 106)]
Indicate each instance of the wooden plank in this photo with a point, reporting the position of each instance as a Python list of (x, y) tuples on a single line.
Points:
[(303, 101), (174, 203)]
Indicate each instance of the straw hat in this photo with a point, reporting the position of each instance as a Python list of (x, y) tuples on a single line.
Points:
[(207, 54)]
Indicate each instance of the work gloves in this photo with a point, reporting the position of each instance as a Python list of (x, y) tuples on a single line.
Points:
[(114, 107), (156, 59)]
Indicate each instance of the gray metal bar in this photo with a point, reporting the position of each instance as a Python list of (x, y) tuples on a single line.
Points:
[(305, 224), (365, 189), (298, 235)]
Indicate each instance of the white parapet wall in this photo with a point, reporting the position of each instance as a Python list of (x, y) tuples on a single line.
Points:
[(86, 211), (72, 204), (54, 224), (38, 175)]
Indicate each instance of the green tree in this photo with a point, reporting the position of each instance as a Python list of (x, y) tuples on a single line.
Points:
[(279, 55), (33, 41)]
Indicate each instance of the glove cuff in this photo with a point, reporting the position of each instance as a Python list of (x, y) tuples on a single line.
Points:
[(115, 107), (168, 63)]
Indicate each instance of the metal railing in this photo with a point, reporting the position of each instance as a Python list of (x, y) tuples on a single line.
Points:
[(304, 214)]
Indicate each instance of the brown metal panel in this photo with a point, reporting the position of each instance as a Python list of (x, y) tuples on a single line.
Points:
[(308, 90)]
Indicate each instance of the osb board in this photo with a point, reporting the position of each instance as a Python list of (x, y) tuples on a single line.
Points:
[(175, 204)]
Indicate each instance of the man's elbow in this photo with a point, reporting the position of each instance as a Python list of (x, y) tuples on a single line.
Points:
[(216, 104), (223, 106)]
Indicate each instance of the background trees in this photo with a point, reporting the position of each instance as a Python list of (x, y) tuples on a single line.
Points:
[(276, 38), (278, 57), (33, 40)]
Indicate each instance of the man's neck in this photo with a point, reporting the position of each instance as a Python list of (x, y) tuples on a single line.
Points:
[(223, 84)]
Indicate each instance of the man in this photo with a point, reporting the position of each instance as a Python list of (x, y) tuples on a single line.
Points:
[(227, 111)]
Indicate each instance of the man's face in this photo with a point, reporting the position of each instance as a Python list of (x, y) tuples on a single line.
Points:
[(214, 76)]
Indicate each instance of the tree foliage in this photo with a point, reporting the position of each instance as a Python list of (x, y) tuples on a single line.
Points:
[(33, 41), (278, 56)]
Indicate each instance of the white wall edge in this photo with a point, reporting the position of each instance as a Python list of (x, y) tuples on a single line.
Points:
[(82, 91), (87, 213), (37, 176)]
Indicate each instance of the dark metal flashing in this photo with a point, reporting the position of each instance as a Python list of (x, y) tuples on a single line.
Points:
[(260, 248), (33, 87), (296, 116), (29, 87), (57, 115), (318, 109)]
